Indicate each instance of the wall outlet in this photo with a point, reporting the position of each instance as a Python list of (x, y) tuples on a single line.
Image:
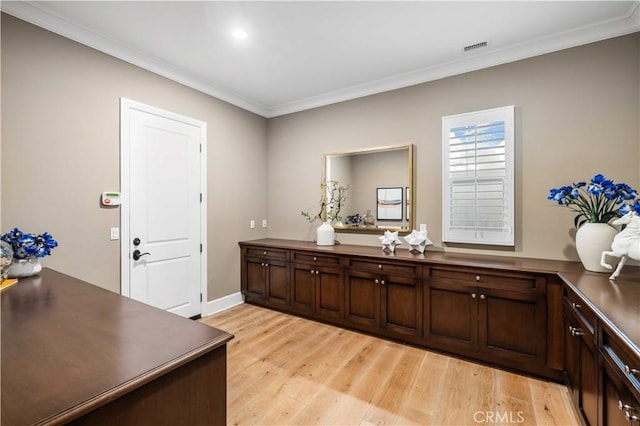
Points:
[(264, 223), (115, 234), (252, 224)]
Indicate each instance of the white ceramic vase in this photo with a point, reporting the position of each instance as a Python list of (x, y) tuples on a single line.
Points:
[(21, 268), (591, 240), (325, 235)]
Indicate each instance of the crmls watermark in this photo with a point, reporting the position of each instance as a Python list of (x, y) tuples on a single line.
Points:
[(498, 417)]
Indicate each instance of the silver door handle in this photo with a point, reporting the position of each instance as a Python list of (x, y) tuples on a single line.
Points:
[(575, 331)]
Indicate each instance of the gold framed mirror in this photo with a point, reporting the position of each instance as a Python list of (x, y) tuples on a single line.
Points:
[(380, 188)]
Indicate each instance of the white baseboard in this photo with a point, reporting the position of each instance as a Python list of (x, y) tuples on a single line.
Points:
[(221, 304)]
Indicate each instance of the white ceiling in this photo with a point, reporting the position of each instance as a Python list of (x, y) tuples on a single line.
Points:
[(304, 54)]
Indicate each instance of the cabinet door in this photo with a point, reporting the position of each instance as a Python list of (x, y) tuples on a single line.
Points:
[(512, 325), (451, 316), (585, 368), (329, 289), (401, 304), (620, 380), (571, 363), (362, 299), (303, 278), (619, 405), (255, 279), (588, 382), (277, 282)]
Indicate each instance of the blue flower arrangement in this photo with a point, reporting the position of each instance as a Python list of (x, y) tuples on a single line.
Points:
[(626, 208), (26, 245), (598, 201)]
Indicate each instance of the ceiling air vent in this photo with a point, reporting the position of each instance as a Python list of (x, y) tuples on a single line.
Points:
[(475, 46)]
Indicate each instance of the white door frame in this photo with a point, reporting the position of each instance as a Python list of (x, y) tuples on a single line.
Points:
[(126, 106)]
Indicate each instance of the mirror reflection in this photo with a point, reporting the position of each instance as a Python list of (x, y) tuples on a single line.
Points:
[(380, 184)]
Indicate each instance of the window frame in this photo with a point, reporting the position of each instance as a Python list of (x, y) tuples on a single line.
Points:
[(476, 234)]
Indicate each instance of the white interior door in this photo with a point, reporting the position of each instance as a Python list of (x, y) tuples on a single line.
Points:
[(163, 242)]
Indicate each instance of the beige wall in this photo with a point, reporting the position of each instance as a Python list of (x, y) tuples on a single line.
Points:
[(60, 150), (577, 114)]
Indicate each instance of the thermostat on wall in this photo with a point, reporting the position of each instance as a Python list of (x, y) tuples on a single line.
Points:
[(111, 199)]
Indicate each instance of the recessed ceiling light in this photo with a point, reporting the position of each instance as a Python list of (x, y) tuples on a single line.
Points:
[(240, 34)]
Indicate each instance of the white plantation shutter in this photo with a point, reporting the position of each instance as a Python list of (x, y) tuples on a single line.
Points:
[(478, 190)]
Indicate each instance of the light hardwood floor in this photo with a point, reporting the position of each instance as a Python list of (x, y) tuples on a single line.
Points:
[(286, 370)]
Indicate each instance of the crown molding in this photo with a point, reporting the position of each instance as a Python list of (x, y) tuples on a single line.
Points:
[(31, 13), (621, 25)]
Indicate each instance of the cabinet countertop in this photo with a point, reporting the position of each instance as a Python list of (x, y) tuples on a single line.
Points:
[(617, 302), (69, 347), (504, 263)]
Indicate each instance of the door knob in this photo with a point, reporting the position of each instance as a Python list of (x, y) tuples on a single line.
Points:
[(137, 255)]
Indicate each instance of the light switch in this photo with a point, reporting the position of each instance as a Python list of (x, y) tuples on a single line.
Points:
[(115, 234)]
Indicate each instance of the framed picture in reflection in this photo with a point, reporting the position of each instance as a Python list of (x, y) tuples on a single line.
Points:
[(389, 205)]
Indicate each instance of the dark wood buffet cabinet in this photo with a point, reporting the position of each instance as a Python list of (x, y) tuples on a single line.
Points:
[(547, 318)]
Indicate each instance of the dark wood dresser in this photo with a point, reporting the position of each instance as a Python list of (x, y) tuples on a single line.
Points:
[(542, 317), (75, 353)]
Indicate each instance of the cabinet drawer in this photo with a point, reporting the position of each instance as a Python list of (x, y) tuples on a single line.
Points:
[(388, 267), (585, 315), (623, 358), (480, 277), (313, 258), (266, 252)]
